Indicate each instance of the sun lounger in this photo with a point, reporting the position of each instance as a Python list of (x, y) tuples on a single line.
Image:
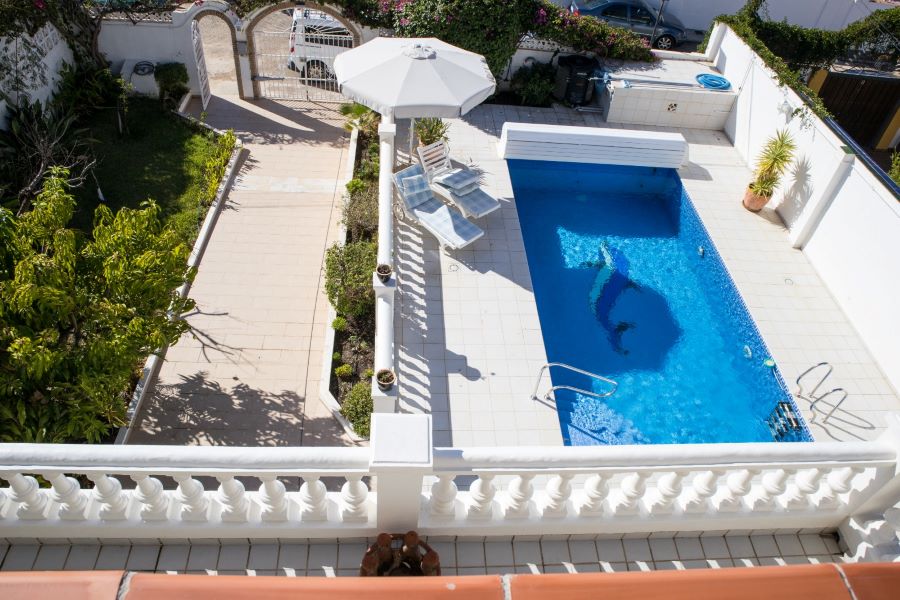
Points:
[(444, 222), (458, 185)]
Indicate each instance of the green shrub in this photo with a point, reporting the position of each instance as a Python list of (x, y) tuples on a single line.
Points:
[(339, 324), (895, 167), (494, 28), (357, 407), (348, 278), (431, 130), (343, 371), (361, 211), (86, 88), (172, 79), (368, 373), (336, 357), (534, 84)]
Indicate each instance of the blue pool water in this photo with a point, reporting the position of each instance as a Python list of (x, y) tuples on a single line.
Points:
[(629, 285)]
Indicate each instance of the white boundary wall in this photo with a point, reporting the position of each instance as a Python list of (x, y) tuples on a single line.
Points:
[(837, 211), (55, 51)]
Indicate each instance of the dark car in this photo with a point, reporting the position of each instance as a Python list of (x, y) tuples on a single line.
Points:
[(636, 16)]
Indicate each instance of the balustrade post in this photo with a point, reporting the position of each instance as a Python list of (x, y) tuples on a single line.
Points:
[(313, 499), (668, 488), (774, 484), (737, 486), (108, 491), (272, 498), (481, 495), (703, 487), (194, 503), (67, 492), (153, 498), (402, 454), (354, 494), (628, 498), (596, 489), (26, 491), (520, 492), (443, 496), (559, 488), (233, 498)]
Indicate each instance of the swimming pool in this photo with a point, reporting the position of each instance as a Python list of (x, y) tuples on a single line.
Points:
[(629, 285)]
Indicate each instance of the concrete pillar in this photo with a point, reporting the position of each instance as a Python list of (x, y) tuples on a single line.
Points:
[(816, 208), (402, 454), (384, 401), (386, 133)]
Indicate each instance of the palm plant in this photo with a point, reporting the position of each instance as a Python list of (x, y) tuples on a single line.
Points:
[(431, 130), (775, 157), (360, 117)]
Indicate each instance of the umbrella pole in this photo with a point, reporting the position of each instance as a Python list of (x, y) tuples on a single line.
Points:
[(412, 129)]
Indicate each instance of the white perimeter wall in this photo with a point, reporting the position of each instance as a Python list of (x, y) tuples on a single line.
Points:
[(122, 41), (55, 51), (855, 246)]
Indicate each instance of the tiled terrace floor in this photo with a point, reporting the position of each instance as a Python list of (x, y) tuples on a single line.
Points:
[(248, 372), (458, 557), (469, 340)]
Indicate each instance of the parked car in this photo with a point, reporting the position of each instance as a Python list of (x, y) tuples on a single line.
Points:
[(315, 41), (636, 16)]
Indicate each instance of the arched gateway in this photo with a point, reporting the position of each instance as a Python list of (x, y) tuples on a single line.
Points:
[(292, 47)]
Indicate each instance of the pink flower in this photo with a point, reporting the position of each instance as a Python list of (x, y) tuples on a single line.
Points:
[(40, 4), (541, 17)]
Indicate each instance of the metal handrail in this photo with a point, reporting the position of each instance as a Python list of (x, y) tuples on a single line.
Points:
[(550, 365)]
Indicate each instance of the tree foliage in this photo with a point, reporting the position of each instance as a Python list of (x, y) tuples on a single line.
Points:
[(77, 316), (348, 278)]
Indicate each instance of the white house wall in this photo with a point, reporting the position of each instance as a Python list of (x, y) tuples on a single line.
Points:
[(56, 53), (856, 246)]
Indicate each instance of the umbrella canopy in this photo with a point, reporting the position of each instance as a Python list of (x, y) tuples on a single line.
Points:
[(414, 77)]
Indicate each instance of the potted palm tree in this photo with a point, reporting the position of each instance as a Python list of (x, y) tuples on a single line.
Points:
[(430, 130), (775, 157)]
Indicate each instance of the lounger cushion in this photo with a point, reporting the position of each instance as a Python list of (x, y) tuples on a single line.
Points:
[(476, 203), (457, 179), (416, 190), (447, 223)]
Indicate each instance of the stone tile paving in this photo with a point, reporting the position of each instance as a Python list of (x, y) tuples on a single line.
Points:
[(247, 373), (469, 341), (459, 556)]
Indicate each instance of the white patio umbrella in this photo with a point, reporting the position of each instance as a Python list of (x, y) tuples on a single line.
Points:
[(414, 77)]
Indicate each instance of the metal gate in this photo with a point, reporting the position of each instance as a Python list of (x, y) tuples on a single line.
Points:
[(294, 56), (201, 64), (861, 104)]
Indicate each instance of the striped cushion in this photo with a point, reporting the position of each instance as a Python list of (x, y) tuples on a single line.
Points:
[(415, 190), (457, 179)]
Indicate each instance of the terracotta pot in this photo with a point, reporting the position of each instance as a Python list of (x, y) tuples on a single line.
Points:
[(384, 272), (386, 379), (753, 201)]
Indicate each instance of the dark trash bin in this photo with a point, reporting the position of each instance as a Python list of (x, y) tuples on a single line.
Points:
[(573, 79)]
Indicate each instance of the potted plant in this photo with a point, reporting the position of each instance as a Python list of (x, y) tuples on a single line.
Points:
[(775, 157), (386, 379), (431, 130), (384, 272)]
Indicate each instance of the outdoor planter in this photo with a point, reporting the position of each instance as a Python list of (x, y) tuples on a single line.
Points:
[(754, 202), (386, 379), (399, 554), (384, 272), (775, 157)]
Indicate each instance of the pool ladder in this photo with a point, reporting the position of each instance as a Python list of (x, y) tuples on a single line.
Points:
[(811, 396), (550, 393)]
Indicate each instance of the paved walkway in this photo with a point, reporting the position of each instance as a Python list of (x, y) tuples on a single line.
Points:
[(248, 373)]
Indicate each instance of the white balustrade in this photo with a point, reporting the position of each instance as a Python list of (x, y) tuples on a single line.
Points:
[(168, 492)]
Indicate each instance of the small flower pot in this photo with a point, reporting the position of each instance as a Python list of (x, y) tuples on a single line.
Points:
[(753, 201), (384, 272), (385, 379)]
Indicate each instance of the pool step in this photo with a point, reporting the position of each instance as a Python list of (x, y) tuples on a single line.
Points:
[(783, 422)]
